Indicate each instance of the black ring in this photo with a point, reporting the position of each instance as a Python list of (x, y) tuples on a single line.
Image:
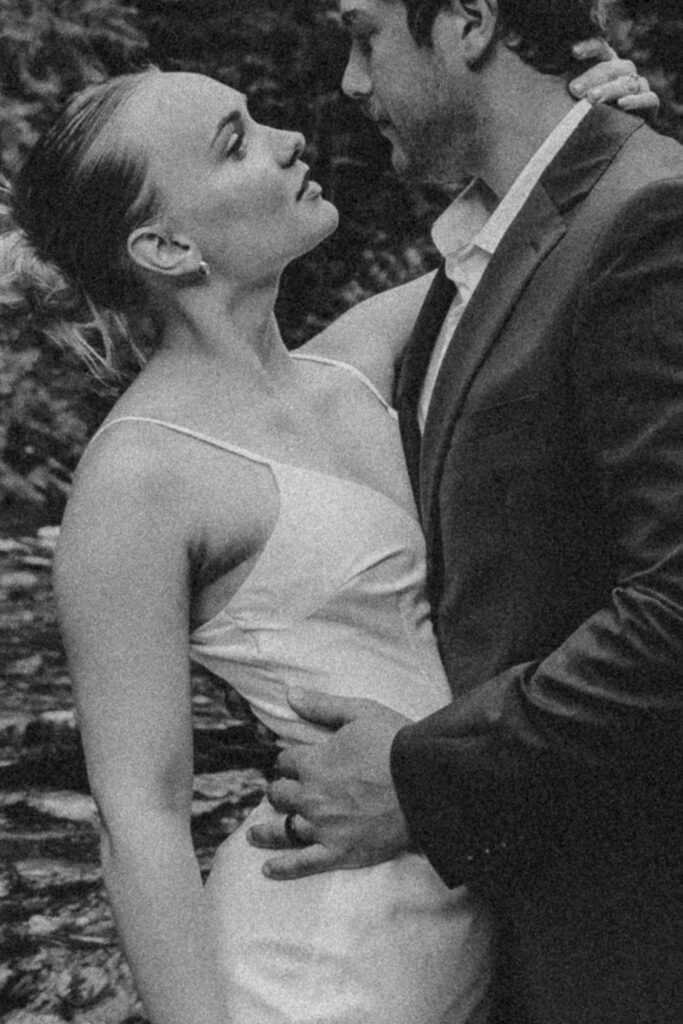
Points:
[(291, 832)]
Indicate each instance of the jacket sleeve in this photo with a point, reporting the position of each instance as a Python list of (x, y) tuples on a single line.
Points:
[(584, 746)]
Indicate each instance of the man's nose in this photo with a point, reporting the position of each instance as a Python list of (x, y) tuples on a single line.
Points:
[(356, 82)]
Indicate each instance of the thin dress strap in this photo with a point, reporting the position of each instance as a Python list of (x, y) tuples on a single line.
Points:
[(351, 369), (216, 442)]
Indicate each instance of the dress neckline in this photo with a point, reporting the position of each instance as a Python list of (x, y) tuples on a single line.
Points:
[(313, 357), (275, 466), (252, 456)]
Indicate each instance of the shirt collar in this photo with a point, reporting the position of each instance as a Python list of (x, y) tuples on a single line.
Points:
[(462, 220), (468, 223)]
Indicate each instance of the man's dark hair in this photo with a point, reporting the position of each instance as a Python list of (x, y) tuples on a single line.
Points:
[(546, 29)]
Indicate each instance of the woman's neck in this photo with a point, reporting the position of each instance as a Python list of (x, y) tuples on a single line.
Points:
[(227, 333)]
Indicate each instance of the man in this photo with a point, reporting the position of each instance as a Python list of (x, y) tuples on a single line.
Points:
[(541, 405)]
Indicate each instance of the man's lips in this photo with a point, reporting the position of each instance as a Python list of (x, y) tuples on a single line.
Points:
[(380, 119), (384, 126)]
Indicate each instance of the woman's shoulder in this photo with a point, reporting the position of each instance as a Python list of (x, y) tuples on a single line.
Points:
[(144, 483), (138, 448), (124, 458), (121, 486)]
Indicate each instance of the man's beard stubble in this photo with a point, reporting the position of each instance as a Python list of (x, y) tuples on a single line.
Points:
[(443, 153)]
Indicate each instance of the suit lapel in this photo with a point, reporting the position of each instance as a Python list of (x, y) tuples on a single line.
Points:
[(526, 244), (529, 240), (414, 366), (535, 232)]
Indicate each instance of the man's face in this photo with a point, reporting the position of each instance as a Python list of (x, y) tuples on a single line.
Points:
[(419, 96)]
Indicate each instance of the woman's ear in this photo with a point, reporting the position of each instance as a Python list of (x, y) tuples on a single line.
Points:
[(154, 249)]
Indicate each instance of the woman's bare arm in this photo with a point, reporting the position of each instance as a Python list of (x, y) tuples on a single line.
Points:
[(372, 335), (122, 584)]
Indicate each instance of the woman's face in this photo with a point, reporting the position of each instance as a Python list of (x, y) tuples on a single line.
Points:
[(237, 189)]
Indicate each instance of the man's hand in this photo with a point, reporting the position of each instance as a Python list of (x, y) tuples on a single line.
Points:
[(340, 789), (613, 80)]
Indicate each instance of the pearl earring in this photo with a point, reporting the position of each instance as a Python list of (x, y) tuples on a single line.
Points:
[(203, 269)]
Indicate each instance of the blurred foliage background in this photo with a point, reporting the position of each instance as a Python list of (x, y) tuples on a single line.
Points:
[(287, 56)]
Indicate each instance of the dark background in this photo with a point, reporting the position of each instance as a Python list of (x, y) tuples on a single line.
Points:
[(59, 956)]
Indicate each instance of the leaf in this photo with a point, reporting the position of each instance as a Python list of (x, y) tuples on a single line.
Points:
[(89, 985)]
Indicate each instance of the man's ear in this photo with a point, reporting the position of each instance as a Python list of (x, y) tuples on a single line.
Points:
[(478, 29), (155, 249)]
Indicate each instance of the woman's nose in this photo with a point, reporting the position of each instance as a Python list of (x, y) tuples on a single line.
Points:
[(295, 144)]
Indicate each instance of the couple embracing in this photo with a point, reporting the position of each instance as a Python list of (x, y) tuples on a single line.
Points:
[(474, 664)]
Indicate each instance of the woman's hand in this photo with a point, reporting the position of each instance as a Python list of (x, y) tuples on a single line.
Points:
[(612, 80)]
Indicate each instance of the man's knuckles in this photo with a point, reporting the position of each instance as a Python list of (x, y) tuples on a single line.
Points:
[(268, 837)]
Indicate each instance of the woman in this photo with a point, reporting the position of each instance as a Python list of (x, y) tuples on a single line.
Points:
[(230, 512)]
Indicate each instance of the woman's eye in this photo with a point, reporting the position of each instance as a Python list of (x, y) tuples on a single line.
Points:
[(235, 146)]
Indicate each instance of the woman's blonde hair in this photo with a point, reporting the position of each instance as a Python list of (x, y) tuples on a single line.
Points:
[(64, 264)]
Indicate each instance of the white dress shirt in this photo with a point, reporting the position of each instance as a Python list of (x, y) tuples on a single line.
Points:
[(467, 235)]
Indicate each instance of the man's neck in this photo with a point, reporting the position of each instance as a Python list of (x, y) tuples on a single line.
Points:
[(519, 109)]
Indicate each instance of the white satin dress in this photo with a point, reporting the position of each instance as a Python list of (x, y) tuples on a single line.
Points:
[(336, 602)]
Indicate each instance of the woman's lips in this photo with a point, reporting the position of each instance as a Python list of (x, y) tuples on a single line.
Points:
[(309, 189), (304, 185)]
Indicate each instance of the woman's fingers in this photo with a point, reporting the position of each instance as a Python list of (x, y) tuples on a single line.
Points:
[(630, 86), (647, 102), (610, 92), (612, 80), (593, 49), (601, 74)]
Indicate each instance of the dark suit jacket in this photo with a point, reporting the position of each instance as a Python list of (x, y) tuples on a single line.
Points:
[(550, 485)]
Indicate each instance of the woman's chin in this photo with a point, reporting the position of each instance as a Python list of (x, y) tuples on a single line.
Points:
[(333, 215), (323, 221), (327, 211), (327, 222)]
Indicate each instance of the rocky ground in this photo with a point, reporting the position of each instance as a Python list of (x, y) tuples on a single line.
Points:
[(59, 957)]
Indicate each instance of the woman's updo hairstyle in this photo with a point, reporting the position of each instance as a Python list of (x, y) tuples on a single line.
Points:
[(64, 264)]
